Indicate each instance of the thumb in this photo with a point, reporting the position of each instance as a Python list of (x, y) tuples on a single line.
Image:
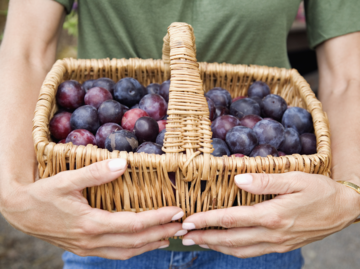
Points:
[(92, 175), (271, 183)]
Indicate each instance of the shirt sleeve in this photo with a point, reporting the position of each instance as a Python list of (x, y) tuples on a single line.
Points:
[(326, 19), (68, 4)]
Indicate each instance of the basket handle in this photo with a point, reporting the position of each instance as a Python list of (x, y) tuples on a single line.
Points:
[(188, 126)]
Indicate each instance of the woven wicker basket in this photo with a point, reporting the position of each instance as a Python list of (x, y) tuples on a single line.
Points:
[(146, 185)]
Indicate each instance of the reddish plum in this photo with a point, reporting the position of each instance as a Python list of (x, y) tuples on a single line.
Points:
[(154, 105), (81, 137), (238, 155), (70, 95), (104, 131), (222, 125), (162, 124), (96, 96), (60, 125), (62, 141), (106, 83), (281, 153), (250, 120), (130, 117)]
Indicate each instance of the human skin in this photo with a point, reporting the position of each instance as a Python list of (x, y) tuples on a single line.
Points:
[(53, 209), (309, 207)]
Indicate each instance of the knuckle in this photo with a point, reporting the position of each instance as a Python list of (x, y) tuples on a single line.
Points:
[(89, 229), (137, 244), (94, 171), (273, 222), (84, 244), (137, 226), (228, 242), (227, 221), (278, 239), (265, 181)]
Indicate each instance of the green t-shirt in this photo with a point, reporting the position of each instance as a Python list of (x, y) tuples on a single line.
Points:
[(231, 31)]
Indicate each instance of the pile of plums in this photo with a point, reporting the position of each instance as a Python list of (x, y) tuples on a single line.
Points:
[(126, 116), (122, 116)]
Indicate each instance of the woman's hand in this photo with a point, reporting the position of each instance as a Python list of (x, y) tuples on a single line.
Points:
[(54, 210), (309, 208)]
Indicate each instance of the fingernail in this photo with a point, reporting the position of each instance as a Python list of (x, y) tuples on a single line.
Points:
[(204, 246), (244, 179), (181, 232), (117, 164), (164, 246), (178, 216), (188, 242), (188, 226)]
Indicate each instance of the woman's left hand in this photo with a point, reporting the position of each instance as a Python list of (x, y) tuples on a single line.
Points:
[(309, 208)]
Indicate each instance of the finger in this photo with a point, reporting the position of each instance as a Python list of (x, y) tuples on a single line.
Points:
[(273, 183), (121, 253), (136, 240), (239, 216), (92, 175), (237, 237), (103, 222)]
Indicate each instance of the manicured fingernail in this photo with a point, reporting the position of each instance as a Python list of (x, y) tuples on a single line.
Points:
[(204, 246), (244, 179), (117, 164), (188, 242), (188, 226), (164, 246), (181, 232), (178, 216)]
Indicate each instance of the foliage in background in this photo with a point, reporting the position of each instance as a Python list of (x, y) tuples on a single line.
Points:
[(71, 21)]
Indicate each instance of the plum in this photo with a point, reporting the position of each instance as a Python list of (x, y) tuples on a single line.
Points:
[(154, 105), (250, 120), (237, 98), (269, 132), (111, 111), (220, 148), (264, 150), (281, 153), (162, 124), (221, 111), (165, 89), (238, 155), (88, 84), (160, 138), (291, 143), (150, 148), (243, 107), (104, 131), (153, 88), (146, 129), (241, 139), (70, 95), (220, 96), (222, 125), (299, 119), (211, 107), (81, 137), (273, 106), (105, 83), (259, 89), (85, 117), (60, 125), (129, 91), (96, 96), (130, 117), (308, 143), (122, 140)]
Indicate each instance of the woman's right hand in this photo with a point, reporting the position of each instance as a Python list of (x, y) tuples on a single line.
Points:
[(53, 209)]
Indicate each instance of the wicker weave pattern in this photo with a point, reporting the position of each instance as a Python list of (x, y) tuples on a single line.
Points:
[(145, 185)]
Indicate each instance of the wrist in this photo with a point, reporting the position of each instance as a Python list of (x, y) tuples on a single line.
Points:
[(351, 195)]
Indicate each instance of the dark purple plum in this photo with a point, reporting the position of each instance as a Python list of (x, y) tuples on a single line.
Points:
[(104, 131), (269, 132), (222, 125), (250, 120), (257, 100), (146, 129), (165, 89), (162, 124), (291, 143), (122, 140), (221, 111), (308, 143), (85, 117), (241, 139), (237, 98), (129, 91), (220, 148), (259, 89), (160, 138), (70, 95), (130, 117), (96, 96), (150, 148), (243, 107), (111, 111), (88, 84), (155, 105), (211, 107), (60, 125), (299, 119), (273, 106), (106, 83), (153, 88), (81, 137), (220, 96), (62, 141), (264, 150)]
